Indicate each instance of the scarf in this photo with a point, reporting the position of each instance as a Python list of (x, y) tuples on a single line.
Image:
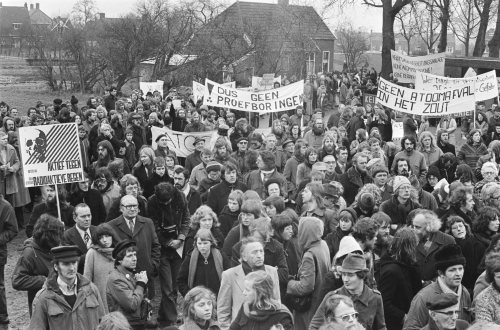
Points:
[(446, 289), (194, 262), (106, 252)]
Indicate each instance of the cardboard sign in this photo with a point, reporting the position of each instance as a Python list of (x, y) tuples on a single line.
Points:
[(427, 103), (404, 68), (265, 82), (370, 99), (280, 99), (50, 154), (485, 85), (151, 87)]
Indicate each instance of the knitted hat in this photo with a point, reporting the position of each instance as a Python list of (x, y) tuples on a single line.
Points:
[(366, 201), (347, 245), (377, 168), (351, 211), (439, 301), (434, 171), (213, 166), (398, 181), (447, 256)]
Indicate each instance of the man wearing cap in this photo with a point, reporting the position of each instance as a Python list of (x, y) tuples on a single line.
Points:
[(400, 204), (67, 300), (193, 159), (449, 263), (355, 177), (162, 149), (288, 147), (240, 153), (367, 302), (241, 129), (267, 170), (380, 176), (443, 312), (126, 288), (81, 233)]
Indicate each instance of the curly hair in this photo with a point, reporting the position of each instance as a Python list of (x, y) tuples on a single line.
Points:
[(192, 297), (48, 231), (433, 223), (411, 139), (200, 213), (483, 219), (372, 189), (364, 229), (488, 192), (453, 219)]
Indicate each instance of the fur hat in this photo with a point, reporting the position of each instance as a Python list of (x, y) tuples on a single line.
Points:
[(377, 168), (366, 201), (399, 181), (447, 256), (213, 166)]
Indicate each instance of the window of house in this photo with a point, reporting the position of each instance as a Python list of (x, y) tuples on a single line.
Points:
[(326, 61), (449, 49), (16, 26), (310, 63)]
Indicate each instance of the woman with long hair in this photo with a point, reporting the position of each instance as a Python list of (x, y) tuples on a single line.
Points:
[(143, 169), (399, 279), (199, 310), (205, 218), (305, 168), (485, 225), (314, 206), (481, 123), (259, 309), (428, 147), (99, 261), (470, 152), (294, 132)]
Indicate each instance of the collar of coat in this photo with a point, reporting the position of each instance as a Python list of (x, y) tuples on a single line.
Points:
[(364, 298), (54, 292)]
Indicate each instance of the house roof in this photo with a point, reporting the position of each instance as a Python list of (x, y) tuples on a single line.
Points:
[(38, 17), (10, 15)]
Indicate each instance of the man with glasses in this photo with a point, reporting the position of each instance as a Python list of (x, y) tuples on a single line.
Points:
[(449, 263), (367, 302), (489, 172), (443, 312), (132, 226)]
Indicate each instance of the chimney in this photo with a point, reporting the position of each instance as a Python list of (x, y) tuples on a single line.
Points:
[(31, 6), (37, 5), (283, 2), (102, 15)]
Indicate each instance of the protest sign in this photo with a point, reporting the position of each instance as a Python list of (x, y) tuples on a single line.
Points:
[(50, 154), (279, 99), (265, 83), (182, 143), (370, 99), (470, 73), (151, 87), (485, 85), (199, 89), (405, 67), (427, 103), (397, 130)]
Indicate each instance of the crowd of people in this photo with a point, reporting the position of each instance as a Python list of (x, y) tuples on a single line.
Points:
[(320, 222)]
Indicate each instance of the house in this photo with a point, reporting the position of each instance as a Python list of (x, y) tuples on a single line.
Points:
[(251, 39), (38, 18)]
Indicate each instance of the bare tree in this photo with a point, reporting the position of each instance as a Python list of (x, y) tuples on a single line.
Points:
[(353, 44), (427, 24), (84, 11), (464, 22), (494, 43), (483, 8), (407, 24), (443, 7)]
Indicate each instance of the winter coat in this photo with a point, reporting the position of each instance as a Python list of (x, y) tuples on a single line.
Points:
[(235, 235), (303, 172), (125, 294), (396, 211), (153, 180), (114, 211), (32, 269), (425, 257), (192, 325), (51, 209), (333, 240), (398, 283), (354, 124), (418, 315), (93, 199), (313, 268), (418, 164), (52, 311), (218, 194), (192, 160), (409, 126), (198, 173), (193, 199), (487, 305), (98, 265), (431, 155), (328, 216), (470, 154), (228, 220), (190, 243), (8, 228), (314, 140), (72, 237), (473, 252), (262, 319), (254, 182), (8, 180), (352, 181)]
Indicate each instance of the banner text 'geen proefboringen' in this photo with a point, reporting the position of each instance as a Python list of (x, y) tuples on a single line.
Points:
[(427, 103), (284, 98), (404, 68)]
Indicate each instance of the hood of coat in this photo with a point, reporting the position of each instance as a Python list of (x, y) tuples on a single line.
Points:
[(310, 231)]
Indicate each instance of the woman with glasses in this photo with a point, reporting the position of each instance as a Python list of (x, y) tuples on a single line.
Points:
[(340, 314)]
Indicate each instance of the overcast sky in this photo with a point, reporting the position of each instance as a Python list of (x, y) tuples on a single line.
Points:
[(360, 16)]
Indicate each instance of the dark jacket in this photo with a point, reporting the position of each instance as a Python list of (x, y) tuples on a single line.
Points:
[(152, 181), (192, 160), (352, 181), (73, 237), (114, 210), (447, 147), (42, 208), (397, 211), (93, 199), (228, 220), (233, 237), (32, 269), (142, 175), (139, 138), (398, 283), (189, 242), (355, 123), (8, 228), (258, 319), (333, 240), (473, 252), (218, 194), (193, 199), (425, 258)]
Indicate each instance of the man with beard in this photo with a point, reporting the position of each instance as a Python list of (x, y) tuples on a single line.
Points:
[(267, 170), (218, 194), (181, 176), (327, 147), (380, 176), (314, 137), (241, 129), (199, 172), (401, 204), (221, 153), (90, 120), (162, 148), (139, 134), (179, 121), (195, 125), (403, 167), (443, 142), (355, 177), (279, 132), (299, 118), (50, 207), (230, 119), (240, 153), (105, 155), (105, 184), (193, 159), (9, 125), (418, 164), (35, 262), (449, 263), (280, 156)]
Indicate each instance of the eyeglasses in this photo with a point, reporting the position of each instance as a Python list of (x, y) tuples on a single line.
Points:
[(348, 317), (131, 206), (449, 313)]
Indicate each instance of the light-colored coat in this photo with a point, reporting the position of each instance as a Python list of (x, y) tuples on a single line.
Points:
[(230, 298), (488, 305), (97, 269)]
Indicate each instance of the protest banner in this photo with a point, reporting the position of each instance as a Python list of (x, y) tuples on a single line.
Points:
[(182, 143), (265, 83), (199, 89), (427, 103), (405, 67), (152, 86), (279, 99), (50, 154), (485, 86)]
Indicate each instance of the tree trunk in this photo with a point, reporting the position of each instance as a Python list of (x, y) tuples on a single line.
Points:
[(388, 43), (494, 43), (480, 45), (444, 19), (408, 44)]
